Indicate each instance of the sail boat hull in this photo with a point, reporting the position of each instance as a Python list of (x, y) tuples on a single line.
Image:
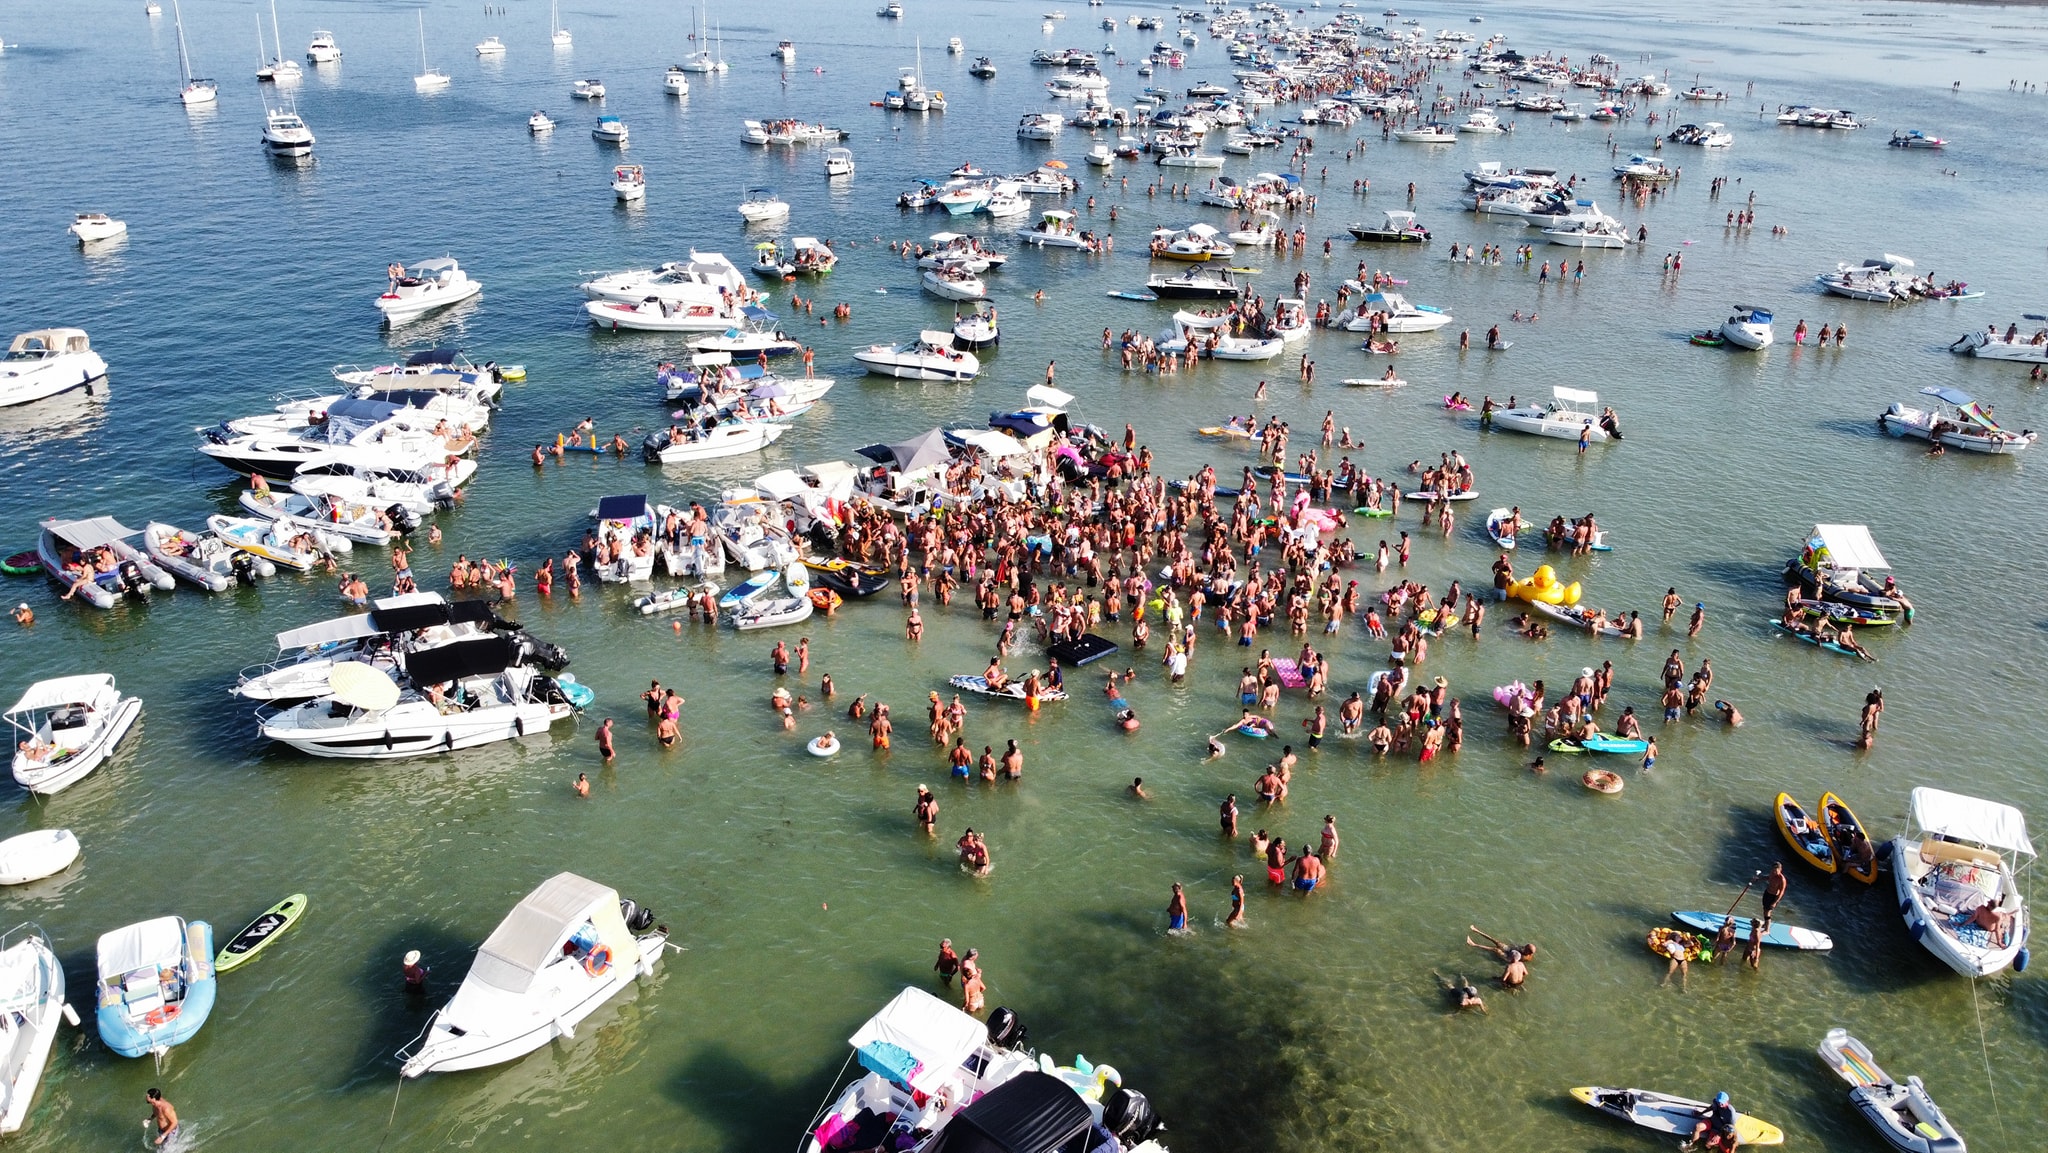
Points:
[(197, 92)]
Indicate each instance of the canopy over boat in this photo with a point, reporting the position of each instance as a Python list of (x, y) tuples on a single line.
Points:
[(1032, 1113), (1961, 818), (395, 614), (926, 450), (61, 691), (1849, 546), (90, 533), (1048, 396), (151, 945), (989, 442), (531, 935), (623, 508), (1202, 323), (475, 657), (917, 1040), (362, 686), (1575, 395), (1966, 406)]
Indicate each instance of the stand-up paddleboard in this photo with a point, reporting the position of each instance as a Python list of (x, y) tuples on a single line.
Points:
[(1133, 295), (1375, 513), (1830, 646), (1783, 936), (1676, 1116), (1372, 382), (243, 946), (1601, 743), (1503, 346)]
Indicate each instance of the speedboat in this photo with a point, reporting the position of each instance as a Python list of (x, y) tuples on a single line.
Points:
[(930, 357), (1058, 228), (954, 47), (1291, 320), (93, 227), (71, 549), (697, 442), (961, 197), (562, 952), (46, 362), (66, 727), (1557, 418), (1266, 230), (1210, 335), (976, 328), (202, 559), (1187, 156), (706, 278), (756, 336), (950, 282), (1904, 1115), (31, 1004), (892, 10), (1954, 868), (1195, 284), (490, 46), (1885, 279), (753, 535), (1040, 126), (785, 52), (984, 68), (353, 479), (1006, 201), (156, 985), (1915, 138), (1196, 242), (676, 81), (286, 134), (456, 696), (838, 162), (629, 182), (1749, 328), (423, 286), (1399, 227), (1964, 424), (308, 654), (323, 49), (2012, 346), (610, 130), (1483, 121), (587, 89), (540, 123), (1588, 234), (1394, 313), (325, 517), (1427, 134), (761, 204), (656, 315), (1650, 168)]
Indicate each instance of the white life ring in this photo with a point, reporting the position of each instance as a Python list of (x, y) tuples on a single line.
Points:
[(824, 746)]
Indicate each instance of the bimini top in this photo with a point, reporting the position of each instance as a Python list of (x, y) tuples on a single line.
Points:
[(90, 533), (1575, 395), (917, 1040), (60, 691), (433, 356), (158, 944), (1849, 546), (1032, 1113), (432, 266), (474, 657), (387, 614), (1961, 818), (625, 508), (531, 935)]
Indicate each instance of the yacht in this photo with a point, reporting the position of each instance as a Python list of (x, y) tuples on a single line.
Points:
[(156, 985), (67, 727), (704, 60), (761, 204), (705, 279), (48, 361), (556, 33), (490, 46), (629, 182), (610, 130), (430, 79), (654, 314), (285, 134), (32, 993), (1482, 121), (323, 49), (380, 434), (423, 286), (838, 162), (1958, 856), (1749, 328), (587, 89), (562, 952), (1557, 419), (540, 123), (676, 81), (93, 227), (1964, 424), (1040, 126), (892, 10), (785, 52), (197, 91), (930, 357)]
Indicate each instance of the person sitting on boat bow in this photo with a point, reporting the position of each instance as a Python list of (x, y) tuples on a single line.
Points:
[(994, 677)]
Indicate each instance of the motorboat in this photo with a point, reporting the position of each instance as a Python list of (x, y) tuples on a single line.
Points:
[(1291, 320), (976, 328), (930, 357), (325, 517), (424, 286), (892, 10), (322, 49), (2012, 346), (961, 197), (66, 727), (1006, 201), (706, 278), (587, 89), (954, 47), (1195, 284), (610, 130), (984, 68), (197, 92), (31, 1004), (1569, 114), (1399, 227), (1391, 312), (490, 46), (1650, 168), (73, 549), (430, 79), (1885, 279), (1188, 156), (1749, 327), (456, 696), (697, 442), (1266, 230), (785, 52), (46, 362), (1954, 869), (1963, 424), (1839, 563), (1712, 134), (540, 123), (564, 950), (761, 204), (1427, 134), (1558, 418), (1607, 233), (378, 434), (838, 162), (629, 182), (656, 315), (1196, 242), (751, 532), (308, 654), (93, 227), (156, 985), (285, 133), (1211, 337), (267, 540), (433, 370), (202, 559), (953, 283), (807, 256), (1484, 122), (786, 601), (676, 81), (431, 485), (757, 337), (1904, 1115), (1057, 228), (1914, 138), (1040, 126)]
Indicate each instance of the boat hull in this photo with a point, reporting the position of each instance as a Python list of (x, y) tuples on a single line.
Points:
[(37, 1032)]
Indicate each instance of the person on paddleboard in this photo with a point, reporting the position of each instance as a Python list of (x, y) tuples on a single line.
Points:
[(1717, 1128)]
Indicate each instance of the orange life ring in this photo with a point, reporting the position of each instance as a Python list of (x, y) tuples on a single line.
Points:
[(161, 1016), (598, 960)]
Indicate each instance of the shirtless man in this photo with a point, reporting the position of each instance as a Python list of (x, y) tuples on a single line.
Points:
[(1499, 948), (947, 964), (163, 1114), (1308, 871), (1177, 911), (1774, 891), (926, 811), (1517, 973), (1268, 787), (1013, 761)]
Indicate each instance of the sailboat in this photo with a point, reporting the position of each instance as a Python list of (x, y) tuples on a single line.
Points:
[(197, 92), (559, 34), (264, 71), (703, 59), (428, 80), (283, 69)]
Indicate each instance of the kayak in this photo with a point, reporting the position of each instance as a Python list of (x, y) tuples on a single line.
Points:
[(1373, 382), (1676, 1116), (1802, 833), (1783, 936), (243, 946), (1839, 821), (1601, 743), (1811, 639)]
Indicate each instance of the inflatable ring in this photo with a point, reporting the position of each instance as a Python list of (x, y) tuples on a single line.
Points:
[(599, 960), (1602, 781), (824, 746)]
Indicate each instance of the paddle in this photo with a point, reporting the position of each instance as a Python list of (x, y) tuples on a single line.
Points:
[(1744, 893)]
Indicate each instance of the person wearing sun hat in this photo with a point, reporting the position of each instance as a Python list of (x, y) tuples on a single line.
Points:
[(415, 973), (24, 615)]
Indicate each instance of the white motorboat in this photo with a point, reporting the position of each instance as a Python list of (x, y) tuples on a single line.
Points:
[(280, 545), (977, 328), (326, 516), (1885, 279), (676, 81), (1266, 230), (323, 49), (1187, 156), (1558, 418), (1588, 234), (729, 438), (1650, 168), (423, 286), (838, 162), (1957, 860), (629, 182), (751, 532), (610, 130), (2014, 345), (1427, 134), (93, 227), (32, 856), (430, 79), (706, 278), (432, 486), (66, 727), (587, 89), (1196, 242), (490, 46), (540, 123), (962, 251), (1914, 138), (930, 357), (457, 696), (656, 315), (285, 133), (953, 283), (1291, 320), (961, 197), (1749, 328), (197, 92), (1484, 122), (1040, 126), (31, 1005), (1712, 134), (46, 362), (1904, 1115), (761, 204), (1392, 312), (97, 547), (785, 51), (563, 951), (786, 601), (1058, 228), (1007, 202), (378, 434), (202, 559), (393, 626), (954, 47), (1100, 156), (556, 33), (892, 10), (1964, 424)]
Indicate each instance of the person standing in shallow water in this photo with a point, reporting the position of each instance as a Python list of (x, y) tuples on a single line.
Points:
[(1177, 911), (947, 964)]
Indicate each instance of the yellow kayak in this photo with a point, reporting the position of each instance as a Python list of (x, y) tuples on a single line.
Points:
[(1674, 1115)]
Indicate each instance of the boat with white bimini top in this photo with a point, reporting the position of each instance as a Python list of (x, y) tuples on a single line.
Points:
[(2014, 345), (976, 328), (1954, 869), (1056, 228), (423, 286), (761, 204), (395, 625), (1399, 227), (563, 951), (66, 727), (31, 1005), (838, 162), (1964, 424), (94, 561), (930, 357), (1587, 234), (1557, 419), (1427, 134), (1904, 1115), (156, 985), (1749, 327), (46, 362)]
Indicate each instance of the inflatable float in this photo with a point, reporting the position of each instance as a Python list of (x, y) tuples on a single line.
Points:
[(1542, 587), (1602, 781), (824, 746)]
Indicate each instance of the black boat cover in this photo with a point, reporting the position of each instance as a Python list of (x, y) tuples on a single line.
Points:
[(1035, 1113), (1076, 653), (475, 657)]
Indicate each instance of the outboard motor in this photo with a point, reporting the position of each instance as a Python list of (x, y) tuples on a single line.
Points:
[(650, 449), (1129, 1115), (402, 519), (133, 583), (244, 567), (823, 535), (1005, 1030), (637, 919)]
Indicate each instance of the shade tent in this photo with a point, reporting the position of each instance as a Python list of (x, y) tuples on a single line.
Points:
[(989, 442), (1961, 818), (917, 1040), (357, 625), (1850, 546), (926, 450), (782, 484), (433, 356), (625, 508), (1048, 396), (90, 533), (1031, 1113)]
